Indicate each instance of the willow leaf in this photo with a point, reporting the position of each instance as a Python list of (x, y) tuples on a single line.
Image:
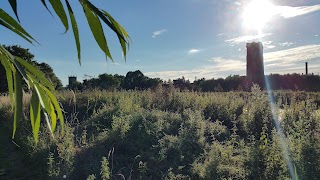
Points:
[(45, 5), (114, 25), (117, 25), (42, 97), (13, 23), (48, 123), (45, 103), (22, 71), (96, 29), (35, 115), (37, 73), (56, 106), (53, 118), (18, 101), (13, 4), (58, 8), (75, 30), (9, 73), (15, 31), (100, 14), (121, 36)]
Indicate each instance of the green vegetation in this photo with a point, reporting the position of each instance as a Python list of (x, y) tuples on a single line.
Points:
[(167, 134), (28, 57), (19, 71), (134, 80)]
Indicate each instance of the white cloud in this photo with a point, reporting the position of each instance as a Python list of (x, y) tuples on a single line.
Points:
[(218, 67), (193, 51), (241, 39), (284, 61), (289, 12), (269, 46), (286, 44), (292, 55), (158, 33)]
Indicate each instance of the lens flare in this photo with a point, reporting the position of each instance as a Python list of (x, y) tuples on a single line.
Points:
[(285, 151), (257, 14)]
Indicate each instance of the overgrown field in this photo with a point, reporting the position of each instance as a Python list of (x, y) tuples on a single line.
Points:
[(167, 134)]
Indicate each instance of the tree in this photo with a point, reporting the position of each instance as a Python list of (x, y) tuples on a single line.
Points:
[(46, 68), (108, 81), (18, 70), (134, 80)]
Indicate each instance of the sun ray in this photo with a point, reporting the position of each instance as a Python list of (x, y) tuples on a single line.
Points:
[(257, 14)]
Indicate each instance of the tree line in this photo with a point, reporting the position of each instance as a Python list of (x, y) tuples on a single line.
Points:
[(136, 80)]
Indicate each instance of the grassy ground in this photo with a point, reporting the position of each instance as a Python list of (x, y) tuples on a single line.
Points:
[(168, 134)]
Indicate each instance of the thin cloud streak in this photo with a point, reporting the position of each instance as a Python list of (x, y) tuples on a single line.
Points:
[(284, 61), (158, 33), (289, 11), (218, 67), (241, 39), (297, 54), (193, 51), (292, 60)]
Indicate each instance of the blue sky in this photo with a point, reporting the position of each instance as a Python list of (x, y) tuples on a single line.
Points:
[(175, 38)]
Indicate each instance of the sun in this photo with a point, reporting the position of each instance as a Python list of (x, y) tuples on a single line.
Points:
[(257, 14)]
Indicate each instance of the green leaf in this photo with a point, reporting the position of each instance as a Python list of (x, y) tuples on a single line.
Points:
[(96, 28), (35, 115), (45, 103), (105, 19), (13, 4), (75, 30), (295, 173), (15, 31), (53, 117), (38, 74), (58, 8), (45, 5), (122, 34), (7, 68), (113, 24), (56, 106), (22, 71), (14, 24), (42, 97), (18, 100)]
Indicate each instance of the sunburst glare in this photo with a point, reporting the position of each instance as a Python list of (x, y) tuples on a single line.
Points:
[(257, 14)]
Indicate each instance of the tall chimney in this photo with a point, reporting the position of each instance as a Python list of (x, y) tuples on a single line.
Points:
[(306, 68)]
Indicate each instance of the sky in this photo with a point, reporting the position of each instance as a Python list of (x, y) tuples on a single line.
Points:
[(175, 38)]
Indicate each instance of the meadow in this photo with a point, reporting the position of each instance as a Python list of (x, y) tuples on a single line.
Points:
[(165, 133)]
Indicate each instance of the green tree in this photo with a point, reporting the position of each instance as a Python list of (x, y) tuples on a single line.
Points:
[(134, 80), (46, 68), (108, 81), (18, 70)]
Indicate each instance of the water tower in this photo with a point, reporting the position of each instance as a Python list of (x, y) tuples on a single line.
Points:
[(255, 68), (72, 80)]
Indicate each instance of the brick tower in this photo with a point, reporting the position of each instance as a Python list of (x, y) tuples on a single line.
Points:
[(255, 68)]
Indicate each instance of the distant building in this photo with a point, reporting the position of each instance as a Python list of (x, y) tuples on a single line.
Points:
[(255, 68), (306, 68), (72, 80)]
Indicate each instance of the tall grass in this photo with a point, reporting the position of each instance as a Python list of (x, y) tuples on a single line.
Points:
[(170, 134)]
